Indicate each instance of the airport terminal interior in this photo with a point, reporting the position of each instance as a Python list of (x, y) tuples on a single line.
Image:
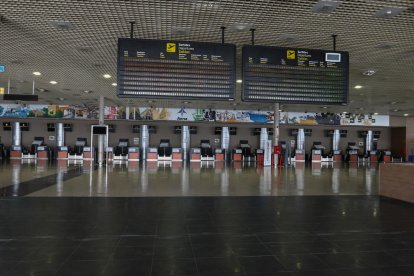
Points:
[(206, 137)]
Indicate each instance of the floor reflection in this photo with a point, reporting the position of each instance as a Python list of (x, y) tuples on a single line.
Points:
[(196, 179)]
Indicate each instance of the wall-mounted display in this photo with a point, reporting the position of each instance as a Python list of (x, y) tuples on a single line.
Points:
[(294, 75), (173, 69)]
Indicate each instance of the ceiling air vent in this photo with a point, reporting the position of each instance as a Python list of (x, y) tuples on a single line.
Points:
[(325, 6), (369, 72), (61, 24)]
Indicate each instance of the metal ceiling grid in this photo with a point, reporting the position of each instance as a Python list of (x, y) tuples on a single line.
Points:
[(78, 57)]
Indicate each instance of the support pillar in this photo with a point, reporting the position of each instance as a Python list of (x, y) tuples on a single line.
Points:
[(144, 141), (101, 138), (60, 135), (16, 134), (276, 119), (185, 141), (225, 141)]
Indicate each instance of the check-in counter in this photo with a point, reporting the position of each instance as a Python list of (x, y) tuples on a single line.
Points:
[(42, 152), (300, 155), (219, 155), (15, 152), (237, 155), (396, 180), (337, 156), (353, 155), (88, 153), (62, 153), (260, 156), (195, 154), (177, 154), (133, 154), (152, 154), (373, 157), (316, 155), (387, 156)]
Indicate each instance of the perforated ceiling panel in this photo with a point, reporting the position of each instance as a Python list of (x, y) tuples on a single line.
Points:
[(74, 43)]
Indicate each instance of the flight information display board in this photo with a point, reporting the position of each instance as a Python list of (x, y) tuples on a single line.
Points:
[(176, 69), (276, 74)]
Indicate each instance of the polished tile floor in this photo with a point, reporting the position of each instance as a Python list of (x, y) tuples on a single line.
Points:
[(194, 179), (149, 220)]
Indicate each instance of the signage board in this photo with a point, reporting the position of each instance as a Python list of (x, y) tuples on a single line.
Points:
[(170, 69), (295, 75)]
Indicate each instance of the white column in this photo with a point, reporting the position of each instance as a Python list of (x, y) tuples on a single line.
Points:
[(101, 138), (185, 141), (16, 134), (276, 125)]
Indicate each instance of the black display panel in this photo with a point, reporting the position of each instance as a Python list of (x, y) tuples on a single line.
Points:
[(295, 75), (176, 69), (99, 130)]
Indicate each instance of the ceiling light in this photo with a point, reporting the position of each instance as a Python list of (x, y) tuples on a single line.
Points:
[(388, 12), (107, 76), (324, 107), (87, 91), (369, 72), (239, 81), (186, 102), (325, 6), (114, 84), (358, 86), (53, 82), (37, 73), (240, 27), (393, 103), (61, 99), (406, 114), (234, 104), (280, 110), (376, 113), (395, 110)]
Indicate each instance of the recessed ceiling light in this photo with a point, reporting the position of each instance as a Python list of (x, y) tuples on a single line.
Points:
[(107, 76), (376, 113), (37, 73), (388, 12), (406, 114), (369, 72), (239, 81), (53, 82), (344, 112), (358, 86), (114, 84), (87, 91), (234, 104), (61, 99), (392, 103), (324, 107), (186, 102), (280, 110), (325, 6), (395, 110), (240, 27)]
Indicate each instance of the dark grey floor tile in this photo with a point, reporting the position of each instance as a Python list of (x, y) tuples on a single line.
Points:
[(88, 253), (133, 253), (174, 267), (261, 264), (82, 268), (302, 262), (219, 266)]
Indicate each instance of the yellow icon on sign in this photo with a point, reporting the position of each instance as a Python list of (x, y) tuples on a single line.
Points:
[(171, 47), (291, 54)]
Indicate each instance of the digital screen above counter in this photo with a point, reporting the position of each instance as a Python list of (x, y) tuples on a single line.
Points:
[(176, 69), (276, 74)]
